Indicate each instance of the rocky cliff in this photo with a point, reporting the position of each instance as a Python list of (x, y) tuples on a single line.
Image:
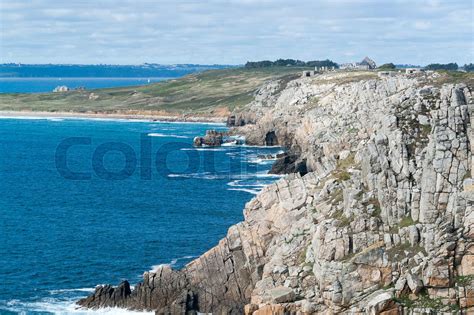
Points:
[(381, 222)]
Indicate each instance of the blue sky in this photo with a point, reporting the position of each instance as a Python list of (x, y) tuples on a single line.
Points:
[(234, 31)]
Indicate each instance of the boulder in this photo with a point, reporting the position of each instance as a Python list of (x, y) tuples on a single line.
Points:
[(414, 283), (282, 295), (380, 303)]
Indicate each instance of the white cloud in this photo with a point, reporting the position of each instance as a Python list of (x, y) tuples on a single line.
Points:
[(234, 31)]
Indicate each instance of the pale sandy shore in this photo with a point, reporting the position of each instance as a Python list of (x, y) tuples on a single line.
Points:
[(72, 115)]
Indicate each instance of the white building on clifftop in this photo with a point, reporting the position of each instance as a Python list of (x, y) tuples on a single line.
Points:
[(365, 64)]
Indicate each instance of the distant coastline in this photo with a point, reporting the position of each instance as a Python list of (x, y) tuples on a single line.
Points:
[(35, 85), (105, 71), (113, 116)]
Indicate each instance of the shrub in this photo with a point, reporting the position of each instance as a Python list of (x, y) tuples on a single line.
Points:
[(387, 66), (440, 66)]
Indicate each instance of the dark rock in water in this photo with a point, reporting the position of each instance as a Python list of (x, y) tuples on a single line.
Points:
[(289, 163), (212, 138), (215, 138), (266, 156), (197, 142), (187, 291), (108, 295)]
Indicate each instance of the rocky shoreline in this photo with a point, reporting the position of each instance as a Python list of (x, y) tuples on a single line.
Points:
[(376, 217)]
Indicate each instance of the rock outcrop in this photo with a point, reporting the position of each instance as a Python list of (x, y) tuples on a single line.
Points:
[(381, 220), (212, 138)]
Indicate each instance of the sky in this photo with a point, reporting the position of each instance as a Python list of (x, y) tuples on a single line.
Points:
[(235, 31)]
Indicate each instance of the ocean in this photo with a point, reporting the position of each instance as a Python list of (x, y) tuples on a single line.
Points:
[(44, 85), (93, 201)]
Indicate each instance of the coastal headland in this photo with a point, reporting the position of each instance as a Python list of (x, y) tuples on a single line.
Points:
[(376, 215)]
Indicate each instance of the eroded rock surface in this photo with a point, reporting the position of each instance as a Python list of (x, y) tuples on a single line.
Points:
[(381, 222)]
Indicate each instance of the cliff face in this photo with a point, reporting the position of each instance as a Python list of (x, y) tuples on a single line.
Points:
[(382, 222)]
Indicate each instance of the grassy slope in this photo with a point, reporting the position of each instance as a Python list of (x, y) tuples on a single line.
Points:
[(198, 93), (455, 77)]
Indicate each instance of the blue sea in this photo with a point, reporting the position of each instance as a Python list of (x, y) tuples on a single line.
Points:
[(43, 85), (87, 201)]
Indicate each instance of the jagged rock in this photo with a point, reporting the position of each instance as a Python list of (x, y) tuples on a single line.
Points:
[(400, 284), (382, 198), (107, 295), (414, 283), (212, 138), (288, 164), (380, 303), (240, 120), (414, 235), (282, 295)]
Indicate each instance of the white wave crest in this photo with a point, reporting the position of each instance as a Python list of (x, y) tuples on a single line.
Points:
[(163, 135), (199, 176), (204, 149), (23, 117), (261, 161), (238, 183), (173, 263), (247, 190), (229, 144), (62, 307), (71, 290)]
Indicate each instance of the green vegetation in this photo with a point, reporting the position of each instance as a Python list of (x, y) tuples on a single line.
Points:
[(440, 66), (455, 77), (341, 173), (209, 92), (464, 280), (343, 220), (213, 92), (406, 221), (425, 301), (387, 66), (425, 130), (343, 176), (404, 250), (377, 209), (469, 67), (466, 175), (353, 130), (291, 63), (356, 76)]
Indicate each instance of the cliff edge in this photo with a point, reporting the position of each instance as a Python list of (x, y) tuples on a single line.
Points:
[(380, 222)]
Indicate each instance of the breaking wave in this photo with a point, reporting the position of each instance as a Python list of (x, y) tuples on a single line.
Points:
[(61, 306), (174, 263), (163, 135)]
